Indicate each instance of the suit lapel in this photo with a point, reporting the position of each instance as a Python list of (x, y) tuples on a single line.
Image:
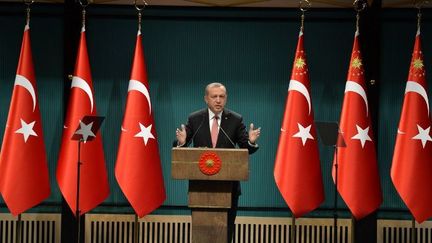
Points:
[(206, 130), (223, 125)]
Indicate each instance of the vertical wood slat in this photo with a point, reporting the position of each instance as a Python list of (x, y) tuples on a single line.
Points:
[(115, 230), (166, 232), (127, 232), (92, 237), (99, 232), (11, 232), (2, 231), (150, 232), (48, 232), (140, 231), (106, 234), (35, 231), (43, 233), (182, 232), (39, 230), (174, 231), (158, 232)]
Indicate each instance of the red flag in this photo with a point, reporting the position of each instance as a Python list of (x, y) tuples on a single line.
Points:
[(24, 178), (411, 170), (358, 176), (297, 170), (94, 180), (138, 168)]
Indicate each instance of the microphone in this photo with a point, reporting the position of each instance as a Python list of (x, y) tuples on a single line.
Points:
[(196, 131), (226, 135)]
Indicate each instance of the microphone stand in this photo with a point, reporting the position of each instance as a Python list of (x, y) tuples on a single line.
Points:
[(331, 136), (82, 134), (226, 135), (196, 131)]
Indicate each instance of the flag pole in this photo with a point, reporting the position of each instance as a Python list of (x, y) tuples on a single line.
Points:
[(19, 220), (413, 230), (293, 230), (418, 5), (18, 229), (136, 228), (77, 212), (358, 5), (304, 5), (139, 9), (335, 216)]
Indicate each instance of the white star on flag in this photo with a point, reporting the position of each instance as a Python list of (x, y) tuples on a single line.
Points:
[(362, 135), (423, 135), (303, 133), (145, 133), (26, 130), (85, 130)]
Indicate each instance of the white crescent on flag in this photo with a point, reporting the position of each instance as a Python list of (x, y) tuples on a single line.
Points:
[(140, 87), (352, 86), (415, 87), (25, 83), (80, 83), (298, 86)]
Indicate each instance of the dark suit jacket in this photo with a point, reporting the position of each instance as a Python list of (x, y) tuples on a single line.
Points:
[(198, 131)]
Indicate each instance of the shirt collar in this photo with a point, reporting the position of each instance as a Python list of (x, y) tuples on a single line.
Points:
[(211, 114)]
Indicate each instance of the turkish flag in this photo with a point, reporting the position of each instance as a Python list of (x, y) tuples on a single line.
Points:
[(358, 177), (411, 170), (297, 169), (24, 180), (94, 180), (138, 168)]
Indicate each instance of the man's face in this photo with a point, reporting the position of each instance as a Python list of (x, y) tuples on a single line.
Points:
[(216, 99)]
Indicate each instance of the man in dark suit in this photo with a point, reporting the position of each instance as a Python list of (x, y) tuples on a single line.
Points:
[(218, 127)]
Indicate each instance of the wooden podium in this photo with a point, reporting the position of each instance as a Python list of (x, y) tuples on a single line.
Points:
[(211, 174)]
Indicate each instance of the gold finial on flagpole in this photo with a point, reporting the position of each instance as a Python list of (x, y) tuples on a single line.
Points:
[(28, 3), (304, 5), (359, 5), (84, 4), (140, 9)]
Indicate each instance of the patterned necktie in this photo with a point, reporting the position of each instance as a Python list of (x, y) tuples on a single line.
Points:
[(214, 130)]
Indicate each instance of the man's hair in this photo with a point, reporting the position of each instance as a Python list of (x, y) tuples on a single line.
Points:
[(212, 85)]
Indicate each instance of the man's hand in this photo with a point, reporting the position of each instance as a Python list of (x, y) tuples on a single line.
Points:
[(254, 133), (181, 135)]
